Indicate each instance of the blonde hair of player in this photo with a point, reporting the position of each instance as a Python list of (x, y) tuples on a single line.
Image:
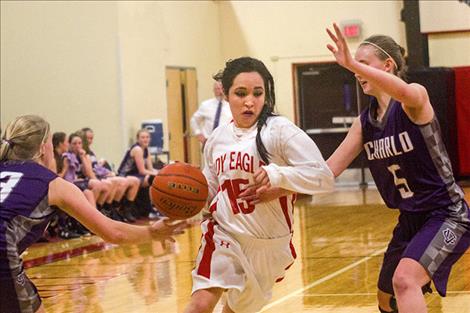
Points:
[(23, 138)]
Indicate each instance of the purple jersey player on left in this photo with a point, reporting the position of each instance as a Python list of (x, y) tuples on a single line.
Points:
[(30, 194)]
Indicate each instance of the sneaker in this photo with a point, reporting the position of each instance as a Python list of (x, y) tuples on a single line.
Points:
[(126, 214), (68, 234)]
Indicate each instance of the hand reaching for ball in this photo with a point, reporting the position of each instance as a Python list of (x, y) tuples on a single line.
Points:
[(165, 228)]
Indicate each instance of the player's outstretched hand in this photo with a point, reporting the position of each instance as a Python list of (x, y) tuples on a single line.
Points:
[(340, 50), (165, 228)]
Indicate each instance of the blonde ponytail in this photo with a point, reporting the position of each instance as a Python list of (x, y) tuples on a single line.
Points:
[(23, 137)]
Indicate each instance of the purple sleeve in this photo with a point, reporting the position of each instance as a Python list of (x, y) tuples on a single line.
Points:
[(70, 173)]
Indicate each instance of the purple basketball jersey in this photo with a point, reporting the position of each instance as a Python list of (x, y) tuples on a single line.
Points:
[(24, 214), (24, 208), (408, 162), (128, 166)]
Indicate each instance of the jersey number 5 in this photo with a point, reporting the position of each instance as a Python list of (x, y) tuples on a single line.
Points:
[(6, 187), (232, 186), (401, 183)]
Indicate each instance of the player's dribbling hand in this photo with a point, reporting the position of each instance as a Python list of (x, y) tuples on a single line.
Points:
[(341, 51), (165, 228)]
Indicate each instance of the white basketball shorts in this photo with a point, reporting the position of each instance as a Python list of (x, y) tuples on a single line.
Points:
[(246, 267)]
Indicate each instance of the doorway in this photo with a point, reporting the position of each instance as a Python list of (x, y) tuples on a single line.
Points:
[(181, 90), (328, 100)]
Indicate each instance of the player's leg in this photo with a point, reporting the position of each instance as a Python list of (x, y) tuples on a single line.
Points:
[(433, 250), (387, 302), (134, 184), (99, 190), (129, 204), (90, 197), (147, 181), (227, 309), (385, 294), (204, 300), (121, 186), (112, 189), (408, 279), (17, 291), (218, 268)]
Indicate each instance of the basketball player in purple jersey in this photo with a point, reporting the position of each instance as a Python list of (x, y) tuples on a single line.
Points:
[(407, 158), (29, 196)]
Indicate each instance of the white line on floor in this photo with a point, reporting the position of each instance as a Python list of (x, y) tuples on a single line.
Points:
[(323, 279), (364, 294)]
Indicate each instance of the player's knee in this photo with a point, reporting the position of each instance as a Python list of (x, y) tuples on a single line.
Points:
[(95, 186), (123, 184), (204, 300), (199, 306), (133, 180), (107, 186), (401, 282)]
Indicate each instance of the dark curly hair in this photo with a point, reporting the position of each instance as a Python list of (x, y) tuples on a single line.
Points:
[(248, 65)]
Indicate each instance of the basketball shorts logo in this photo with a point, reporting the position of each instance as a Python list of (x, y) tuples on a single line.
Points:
[(224, 243), (449, 237), (20, 279)]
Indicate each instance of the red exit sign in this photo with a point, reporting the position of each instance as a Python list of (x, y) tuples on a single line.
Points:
[(351, 29)]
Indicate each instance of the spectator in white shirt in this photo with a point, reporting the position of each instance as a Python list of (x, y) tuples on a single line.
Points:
[(211, 113)]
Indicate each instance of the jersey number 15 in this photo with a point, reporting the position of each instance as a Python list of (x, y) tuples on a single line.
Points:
[(233, 188)]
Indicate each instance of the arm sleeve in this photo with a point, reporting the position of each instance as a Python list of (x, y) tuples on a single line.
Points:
[(306, 170), (197, 121), (210, 171)]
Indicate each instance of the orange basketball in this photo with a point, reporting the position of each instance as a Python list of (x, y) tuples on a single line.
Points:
[(179, 191)]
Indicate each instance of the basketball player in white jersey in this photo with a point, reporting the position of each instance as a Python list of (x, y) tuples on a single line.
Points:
[(246, 245)]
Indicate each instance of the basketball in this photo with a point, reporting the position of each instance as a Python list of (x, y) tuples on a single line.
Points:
[(179, 191)]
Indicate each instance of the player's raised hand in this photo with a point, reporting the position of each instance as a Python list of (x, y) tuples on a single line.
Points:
[(165, 228), (340, 50)]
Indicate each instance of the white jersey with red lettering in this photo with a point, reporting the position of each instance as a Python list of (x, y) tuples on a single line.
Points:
[(232, 158)]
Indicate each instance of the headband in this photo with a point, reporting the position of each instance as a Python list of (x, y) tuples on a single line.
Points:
[(7, 142), (382, 50)]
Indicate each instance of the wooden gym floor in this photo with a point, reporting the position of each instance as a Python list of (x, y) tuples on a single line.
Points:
[(339, 238)]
